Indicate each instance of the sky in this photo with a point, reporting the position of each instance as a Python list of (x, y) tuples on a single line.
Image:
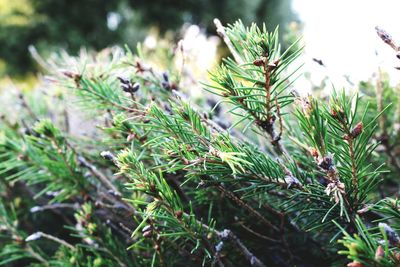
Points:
[(342, 34)]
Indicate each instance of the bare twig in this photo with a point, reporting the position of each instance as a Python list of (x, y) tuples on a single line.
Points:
[(231, 237), (39, 235), (221, 32), (97, 173), (74, 206)]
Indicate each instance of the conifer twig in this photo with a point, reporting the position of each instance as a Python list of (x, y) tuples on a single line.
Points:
[(221, 32), (230, 236), (97, 173), (39, 235)]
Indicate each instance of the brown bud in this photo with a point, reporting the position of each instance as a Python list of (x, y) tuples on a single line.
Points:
[(22, 157), (314, 153), (355, 264), (338, 114), (185, 161), (334, 113), (178, 214), (379, 253), (357, 130), (152, 188), (75, 76), (258, 62), (346, 137), (148, 234), (130, 137)]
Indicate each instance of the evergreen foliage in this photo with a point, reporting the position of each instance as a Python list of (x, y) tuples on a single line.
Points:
[(276, 180)]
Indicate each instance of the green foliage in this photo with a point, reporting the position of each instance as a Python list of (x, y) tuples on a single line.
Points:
[(72, 24), (161, 180)]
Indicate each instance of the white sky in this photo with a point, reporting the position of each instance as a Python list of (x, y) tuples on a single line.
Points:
[(342, 34)]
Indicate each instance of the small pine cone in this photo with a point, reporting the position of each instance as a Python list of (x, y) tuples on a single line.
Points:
[(357, 130)]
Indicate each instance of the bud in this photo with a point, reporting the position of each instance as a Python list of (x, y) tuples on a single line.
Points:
[(166, 85), (357, 130), (123, 80), (75, 76), (347, 137), (135, 87), (127, 85), (337, 113), (326, 162), (355, 264), (107, 155), (165, 76), (152, 188), (148, 234), (258, 62), (130, 137), (147, 231), (314, 153), (179, 214), (379, 253)]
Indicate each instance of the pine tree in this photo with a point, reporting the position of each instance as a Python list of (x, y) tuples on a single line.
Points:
[(264, 177)]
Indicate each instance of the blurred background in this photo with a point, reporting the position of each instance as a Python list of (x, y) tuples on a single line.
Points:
[(338, 33)]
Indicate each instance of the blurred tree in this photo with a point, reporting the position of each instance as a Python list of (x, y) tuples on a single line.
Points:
[(71, 24)]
